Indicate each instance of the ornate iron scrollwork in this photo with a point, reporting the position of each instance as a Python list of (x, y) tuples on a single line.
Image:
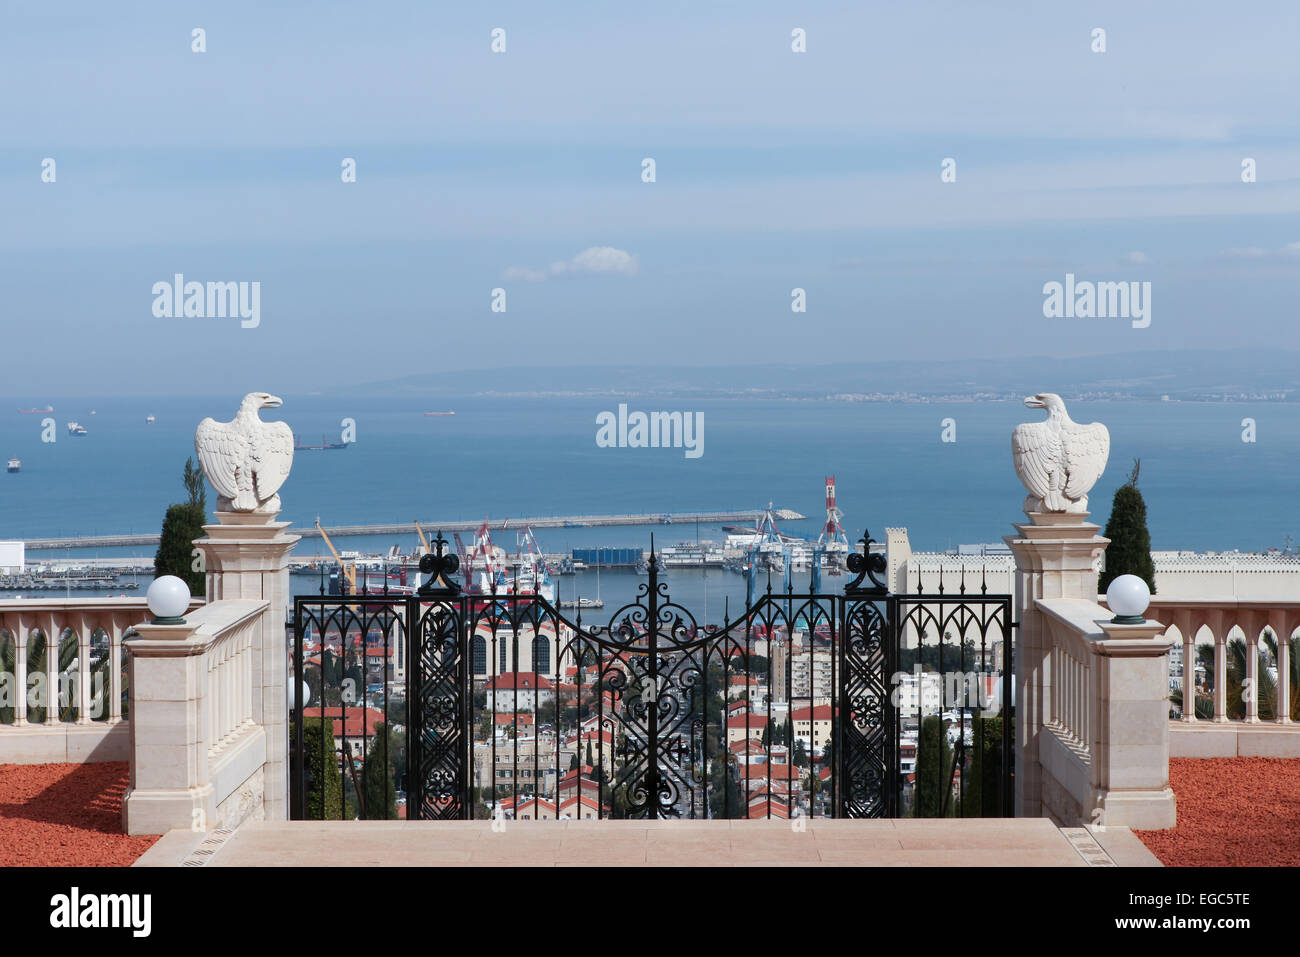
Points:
[(440, 566), (867, 564)]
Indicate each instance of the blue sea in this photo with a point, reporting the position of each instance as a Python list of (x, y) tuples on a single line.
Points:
[(505, 458)]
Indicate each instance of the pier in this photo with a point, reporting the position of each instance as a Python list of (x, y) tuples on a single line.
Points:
[(405, 528)]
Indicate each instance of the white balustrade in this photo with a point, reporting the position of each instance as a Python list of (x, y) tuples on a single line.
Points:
[(38, 692)]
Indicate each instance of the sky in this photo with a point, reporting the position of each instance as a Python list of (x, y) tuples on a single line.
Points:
[(522, 171)]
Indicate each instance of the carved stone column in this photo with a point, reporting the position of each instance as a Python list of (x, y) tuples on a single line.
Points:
[(170, 786), (1056, 555), (247, 557), (1130, 746)]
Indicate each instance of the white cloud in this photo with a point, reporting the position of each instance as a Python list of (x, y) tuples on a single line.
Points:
[(592, 261)]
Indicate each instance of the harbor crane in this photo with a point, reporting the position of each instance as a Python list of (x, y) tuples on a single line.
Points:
[(832, 542), (424, 541), (345, 570)]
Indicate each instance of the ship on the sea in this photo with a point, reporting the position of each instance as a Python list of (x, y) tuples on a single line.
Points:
[(149, 420), (15, 465), (430, 414), (75, 428), (48, 408), (325, 444)]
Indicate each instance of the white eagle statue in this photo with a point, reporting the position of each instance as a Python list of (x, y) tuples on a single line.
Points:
[(246, 460), (1059, 460)]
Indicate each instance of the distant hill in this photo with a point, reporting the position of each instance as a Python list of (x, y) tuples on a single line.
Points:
[(1150, 374)]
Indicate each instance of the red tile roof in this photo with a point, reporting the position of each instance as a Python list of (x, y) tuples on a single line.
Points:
[(522, 680), (352, 724)]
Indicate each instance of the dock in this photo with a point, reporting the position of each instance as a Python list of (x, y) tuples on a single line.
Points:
[(406, 528)]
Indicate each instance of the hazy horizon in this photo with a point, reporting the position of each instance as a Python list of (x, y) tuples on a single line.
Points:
[(522, 171)]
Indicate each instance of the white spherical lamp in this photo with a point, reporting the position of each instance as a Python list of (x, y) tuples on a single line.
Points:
[(297, 690), (168, 597), (1128, 597)]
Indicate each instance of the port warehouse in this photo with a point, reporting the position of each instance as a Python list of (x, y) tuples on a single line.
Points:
[(608, 557)]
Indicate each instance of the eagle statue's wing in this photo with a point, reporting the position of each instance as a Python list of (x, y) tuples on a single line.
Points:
[(221, 450), (1087, 447), (1037, 452), (272, 457)]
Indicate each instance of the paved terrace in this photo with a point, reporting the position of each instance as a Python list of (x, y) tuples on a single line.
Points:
[(1012, 842)]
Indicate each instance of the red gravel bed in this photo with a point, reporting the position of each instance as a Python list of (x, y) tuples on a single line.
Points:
[(1232, 812), (54, 815)]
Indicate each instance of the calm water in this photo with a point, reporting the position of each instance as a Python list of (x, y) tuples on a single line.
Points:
[(1204, 487)]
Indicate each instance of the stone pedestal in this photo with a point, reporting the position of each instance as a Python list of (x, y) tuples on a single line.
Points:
[(1130, 739), (1055, 555), (169, 771), (246, 556)]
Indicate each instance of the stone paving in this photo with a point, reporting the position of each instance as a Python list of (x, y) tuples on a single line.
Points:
[(1032, 842)]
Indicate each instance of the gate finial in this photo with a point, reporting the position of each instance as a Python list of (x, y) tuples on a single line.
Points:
[(439, 565)]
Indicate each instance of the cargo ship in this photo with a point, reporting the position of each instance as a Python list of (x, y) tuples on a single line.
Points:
[(325, 444), (430, 414), (48, 408), (14, 466), (75, 428)]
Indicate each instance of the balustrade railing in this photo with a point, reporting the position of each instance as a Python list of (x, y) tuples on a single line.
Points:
[(1249, 676), (61, 659)]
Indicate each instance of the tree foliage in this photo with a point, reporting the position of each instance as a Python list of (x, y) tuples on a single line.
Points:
[(195, 486), (175, 555), (378, 774), (324, 782), (982, 796), (181, 526), (933, 768), (1129, 551)]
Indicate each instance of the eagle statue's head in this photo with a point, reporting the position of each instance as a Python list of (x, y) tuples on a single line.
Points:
[(261, 400), (1046, 400)]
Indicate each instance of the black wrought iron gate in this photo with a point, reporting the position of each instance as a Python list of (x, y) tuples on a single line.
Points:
[(803, 705)]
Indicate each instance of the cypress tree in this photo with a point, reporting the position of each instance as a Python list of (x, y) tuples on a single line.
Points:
[(181, 526), (933, 767), (377, 776), (1129, 552), (325, 793), (195, 486), (175, 556)]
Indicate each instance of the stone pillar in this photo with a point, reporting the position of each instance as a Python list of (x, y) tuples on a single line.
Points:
[(1282, 624), (1189, 676), (20, 672), (169, 767), (247, 557), (85, 628), (1130, 737), (1251, 625), (1055, 555), (1220, 630), (115, 672), (53, 638)]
